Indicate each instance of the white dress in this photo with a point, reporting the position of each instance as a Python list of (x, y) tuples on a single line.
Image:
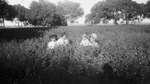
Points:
[(51, 45), (85, 42), (94, 44), (62, 42)]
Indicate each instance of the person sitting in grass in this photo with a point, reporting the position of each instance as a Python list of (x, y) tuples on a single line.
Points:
[(63, 41), (84, 41), (93, 41), (94, 35), (52, 43)]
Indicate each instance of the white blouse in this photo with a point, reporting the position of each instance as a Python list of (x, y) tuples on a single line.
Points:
[(51, 45), (62, 42)]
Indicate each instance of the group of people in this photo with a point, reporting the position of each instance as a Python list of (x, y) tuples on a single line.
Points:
[(87, 40), (55, 42)]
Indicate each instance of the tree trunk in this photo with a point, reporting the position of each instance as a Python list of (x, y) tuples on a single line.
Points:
[(127, 21), (3, 22), (115, 22), (18, 24)]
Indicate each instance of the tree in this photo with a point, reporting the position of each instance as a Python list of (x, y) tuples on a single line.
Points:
[(43, 13), (11, 13), (88, 19), (127, 10), (147, 9), (131, 10), (6, 11), (71, 10), (57, 20), (3, 6), (22, 13), (100, 12), (92, 19), (33, 13)]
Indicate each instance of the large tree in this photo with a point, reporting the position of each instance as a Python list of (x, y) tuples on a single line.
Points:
[(147, 9), (117, 9), (100, 12), (130, 10), (22, 13), (6, 11), (43, 13), (3, 11), (33, 16), (71, 10)]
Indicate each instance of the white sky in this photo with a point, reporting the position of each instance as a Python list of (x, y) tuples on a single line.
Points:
[(85, 4)]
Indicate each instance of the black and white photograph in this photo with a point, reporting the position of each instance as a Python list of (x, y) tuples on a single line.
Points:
[(74, 41)]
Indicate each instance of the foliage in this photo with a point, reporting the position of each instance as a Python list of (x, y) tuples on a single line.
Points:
[(44, 13), (22, 13), (92, 19), (123, 57), (11, 13), (147, 9), (6, 11), (127, 10), (71, 10), (3, 6)]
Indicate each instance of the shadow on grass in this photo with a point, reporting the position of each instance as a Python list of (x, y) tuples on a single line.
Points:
[(21, 33), (17, 75)]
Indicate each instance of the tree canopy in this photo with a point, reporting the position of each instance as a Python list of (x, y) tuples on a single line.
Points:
[(6, 11), (21, 12), (71, 10), (44, 13), (127, 10), (147, 9)]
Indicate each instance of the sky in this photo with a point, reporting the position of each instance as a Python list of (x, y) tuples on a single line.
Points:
[(85, 4)]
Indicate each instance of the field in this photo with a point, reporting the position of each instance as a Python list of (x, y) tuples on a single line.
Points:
[(122, 58)]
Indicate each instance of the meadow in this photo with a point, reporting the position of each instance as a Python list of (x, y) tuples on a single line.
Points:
[(122, 58)]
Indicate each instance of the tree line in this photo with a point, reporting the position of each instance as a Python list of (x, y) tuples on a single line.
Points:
[(42, 13), (126, 11)]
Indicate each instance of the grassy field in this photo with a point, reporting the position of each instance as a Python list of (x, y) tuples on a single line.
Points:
[(122, 58)]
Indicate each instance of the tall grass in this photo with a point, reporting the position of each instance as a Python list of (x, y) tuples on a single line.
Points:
[(123, 57)]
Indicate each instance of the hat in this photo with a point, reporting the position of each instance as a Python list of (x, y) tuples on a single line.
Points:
[(53, 36), (94, 35), (84, 35)]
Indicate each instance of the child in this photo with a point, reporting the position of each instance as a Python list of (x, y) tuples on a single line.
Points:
[(85, 41), (94, 35), (52, 43), (63, 41), (94, 43)]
